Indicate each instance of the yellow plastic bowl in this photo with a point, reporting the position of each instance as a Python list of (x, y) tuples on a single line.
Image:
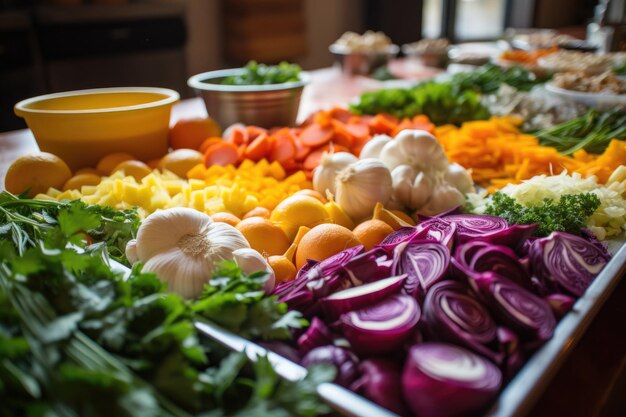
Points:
[(83, 126)]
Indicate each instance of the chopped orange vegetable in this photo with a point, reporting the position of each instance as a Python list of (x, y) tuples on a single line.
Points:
[(223, 153)]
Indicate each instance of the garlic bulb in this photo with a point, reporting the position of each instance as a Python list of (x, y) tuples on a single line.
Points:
[(361, 185), (416, 148), (250, 261), (324, 174), (181, 246), (131, 251), (374, 146), (460, 178), (443, 197), (410, 188)]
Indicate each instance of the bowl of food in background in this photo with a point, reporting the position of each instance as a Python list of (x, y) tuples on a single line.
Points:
[(363, 54), (83, 126), (576, 61), (428, 52), (603, 91), (525, 59), (257, 94)]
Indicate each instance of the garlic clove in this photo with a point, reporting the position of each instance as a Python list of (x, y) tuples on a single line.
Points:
[(444, 197), (402, 178), (251, 261), (374, 146), (361, 185), (131, 251), (460, 178), (421, 191), (185, 278), (416, 148), (331, 163)]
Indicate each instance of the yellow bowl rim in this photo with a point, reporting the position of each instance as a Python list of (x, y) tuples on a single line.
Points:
[(172, 97)]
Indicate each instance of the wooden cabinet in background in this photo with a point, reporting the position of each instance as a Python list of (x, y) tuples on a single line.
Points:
[(267, 31)]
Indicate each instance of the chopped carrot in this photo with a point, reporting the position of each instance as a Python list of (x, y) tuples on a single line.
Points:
[(323, 118), (316, 135), (258, 148), (383, 123), (301, 150), (341, 114), (358, 130), (284, 148), (208, 142), (223, 153), (238, 135), (254, 131)]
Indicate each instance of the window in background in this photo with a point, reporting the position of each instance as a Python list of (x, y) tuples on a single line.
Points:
[(479, 19), (432, 18)]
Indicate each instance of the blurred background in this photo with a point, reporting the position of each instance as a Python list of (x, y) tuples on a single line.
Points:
[(57, 45)]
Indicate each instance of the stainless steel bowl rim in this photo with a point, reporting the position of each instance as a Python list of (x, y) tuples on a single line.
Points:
[(199, 82), (551, 87), (171, 98), (344, 50)]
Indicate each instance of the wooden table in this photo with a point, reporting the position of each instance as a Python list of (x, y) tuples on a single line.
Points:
[(592, 382)]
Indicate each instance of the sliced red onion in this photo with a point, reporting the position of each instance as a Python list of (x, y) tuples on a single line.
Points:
[(472, 226), (382, 327), (381, 382), (561, 304), (424, 261), (370, 266), (355, 298), (517, 307), (438, 230), (454, 315), (318, 334), (392, 240), (442, 380), (513, 236), (510, 346), (501, 260), (570, 261), (342, 359)]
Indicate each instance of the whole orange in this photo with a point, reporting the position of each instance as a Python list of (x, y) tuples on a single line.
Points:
[(36, 173), (264, 236), (190, 133), (324, 241), (372, 232)]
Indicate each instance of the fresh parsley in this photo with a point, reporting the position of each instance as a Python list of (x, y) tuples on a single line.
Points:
[(569, 214), (259, 74)]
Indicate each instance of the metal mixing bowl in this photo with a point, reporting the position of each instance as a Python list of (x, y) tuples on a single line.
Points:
[(362, 63), (266, 105)]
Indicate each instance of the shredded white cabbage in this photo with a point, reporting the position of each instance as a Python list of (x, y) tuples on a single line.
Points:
[(609, 220)]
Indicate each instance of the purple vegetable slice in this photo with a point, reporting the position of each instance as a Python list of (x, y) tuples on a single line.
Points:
[(369, 266), (455, 316), (443, 380), (381, 382), (501, 260), (392, 240), (470, 226), (518, 308), (355, 298), (382, 327), (424, 261), (438, 230), (570, 261), (318, 334), (561, 303), (342, 359)]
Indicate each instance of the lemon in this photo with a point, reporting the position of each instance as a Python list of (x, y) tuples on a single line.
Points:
[(108, 163), (36, 173), (135, 169), (181, 161), (78, 180), (296, 211)]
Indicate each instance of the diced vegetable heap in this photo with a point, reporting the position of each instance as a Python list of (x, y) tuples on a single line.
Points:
[(469, 297), (210, 190), (499, 154)]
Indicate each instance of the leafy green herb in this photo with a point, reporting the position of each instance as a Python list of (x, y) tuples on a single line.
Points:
[(77, 338), (259, 74), (488, 79), (439, 101), (620, 69), (592, 132), (237, 302), (569, 214)]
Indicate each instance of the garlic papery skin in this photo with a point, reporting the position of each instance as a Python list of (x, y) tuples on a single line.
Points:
[(251, 261), (131, 251), (443, 197), (331, 163), (374, 146), (416, 148), (460, 178), (182, 245), (361, 185), (410, 188)]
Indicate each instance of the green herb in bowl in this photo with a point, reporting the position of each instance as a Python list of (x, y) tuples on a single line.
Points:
[(260, 74)]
